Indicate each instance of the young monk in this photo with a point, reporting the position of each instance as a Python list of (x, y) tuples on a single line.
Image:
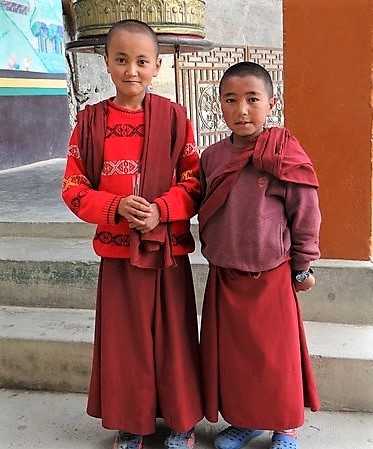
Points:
[(133, 169), (259, 227)]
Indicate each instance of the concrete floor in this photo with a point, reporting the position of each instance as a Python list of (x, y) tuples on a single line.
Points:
[(41, 420), (32, 193)]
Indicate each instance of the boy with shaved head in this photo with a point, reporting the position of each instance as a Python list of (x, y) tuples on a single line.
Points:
[(259, 228), (133, 169)]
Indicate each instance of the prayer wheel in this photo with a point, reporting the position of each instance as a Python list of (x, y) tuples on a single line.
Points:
[(179, 24), (168, 17)]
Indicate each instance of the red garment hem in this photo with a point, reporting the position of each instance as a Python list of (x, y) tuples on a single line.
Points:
[(143, 431), (252, 425)]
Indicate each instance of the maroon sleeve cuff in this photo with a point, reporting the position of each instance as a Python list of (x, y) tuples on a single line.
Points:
[(299, 266), (164, 214)]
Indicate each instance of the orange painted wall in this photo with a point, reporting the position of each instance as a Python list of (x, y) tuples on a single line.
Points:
[(328, 85)]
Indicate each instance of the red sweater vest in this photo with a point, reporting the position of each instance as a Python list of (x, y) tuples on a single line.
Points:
[(124, 142)]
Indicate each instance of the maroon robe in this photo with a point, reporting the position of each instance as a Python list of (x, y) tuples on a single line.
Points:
[(255, 364), (145, 361), (256, 369), (276, 152)]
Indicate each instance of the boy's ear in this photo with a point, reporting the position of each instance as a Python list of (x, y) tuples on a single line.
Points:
[(157, 66), (272, 103)]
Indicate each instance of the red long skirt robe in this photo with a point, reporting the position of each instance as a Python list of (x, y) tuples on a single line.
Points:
[(145, 360), (255, 365)]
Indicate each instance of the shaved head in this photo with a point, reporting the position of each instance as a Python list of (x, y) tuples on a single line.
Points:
[(248, 68), (132, 26)]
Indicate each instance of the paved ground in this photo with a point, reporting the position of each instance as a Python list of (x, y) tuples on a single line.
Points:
[(39, 420), (32, 193)]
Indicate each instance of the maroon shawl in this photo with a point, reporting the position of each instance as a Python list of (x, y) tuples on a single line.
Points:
[(276, 152), (165, 128)]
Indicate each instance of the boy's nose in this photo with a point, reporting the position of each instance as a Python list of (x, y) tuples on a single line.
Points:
[(244, 108), (130, 70)]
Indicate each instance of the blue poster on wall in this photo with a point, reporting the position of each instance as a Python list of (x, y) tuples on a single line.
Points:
[(32, 36)]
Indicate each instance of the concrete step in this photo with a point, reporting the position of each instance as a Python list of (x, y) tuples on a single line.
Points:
[(62, 272), (45, 348), (342, 357), (48, 230), (343, 293), (47, 272), (50, 349), (43, 420)]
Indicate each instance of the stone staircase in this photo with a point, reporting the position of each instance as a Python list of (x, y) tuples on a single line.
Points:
[(48, 273)]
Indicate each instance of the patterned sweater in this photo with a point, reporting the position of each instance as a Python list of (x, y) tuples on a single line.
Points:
[(123, 146)]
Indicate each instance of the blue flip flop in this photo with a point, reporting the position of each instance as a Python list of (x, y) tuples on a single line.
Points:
[(235, 437), (282, 441)]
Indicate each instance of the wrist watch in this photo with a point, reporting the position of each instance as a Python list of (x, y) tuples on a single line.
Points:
[(302, 276)]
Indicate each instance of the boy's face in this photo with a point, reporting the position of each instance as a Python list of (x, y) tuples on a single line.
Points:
[(132, 62), (245, 103)]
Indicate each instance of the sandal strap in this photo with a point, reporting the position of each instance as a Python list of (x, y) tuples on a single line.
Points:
[(283, 441), (235, 437), (234, 433), (180, 440)]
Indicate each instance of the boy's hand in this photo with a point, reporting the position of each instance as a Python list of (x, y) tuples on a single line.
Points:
[(306, 285), (134, 209), (150, 222)]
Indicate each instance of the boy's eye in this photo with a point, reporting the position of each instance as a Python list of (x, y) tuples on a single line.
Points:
[(142, 61), (229, 100), (120, 60), (253, 99)]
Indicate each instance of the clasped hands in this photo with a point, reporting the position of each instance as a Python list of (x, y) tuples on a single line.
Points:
[(140, 214)]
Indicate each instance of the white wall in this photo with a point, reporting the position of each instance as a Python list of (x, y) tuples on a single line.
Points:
[(245, 22)]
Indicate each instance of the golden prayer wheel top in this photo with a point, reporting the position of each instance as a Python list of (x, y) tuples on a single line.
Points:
[(181, 17)]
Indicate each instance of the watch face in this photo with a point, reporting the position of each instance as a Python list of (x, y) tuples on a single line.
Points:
[(301, 277)]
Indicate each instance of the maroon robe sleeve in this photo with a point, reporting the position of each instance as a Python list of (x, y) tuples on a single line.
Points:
[(303, 214)]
